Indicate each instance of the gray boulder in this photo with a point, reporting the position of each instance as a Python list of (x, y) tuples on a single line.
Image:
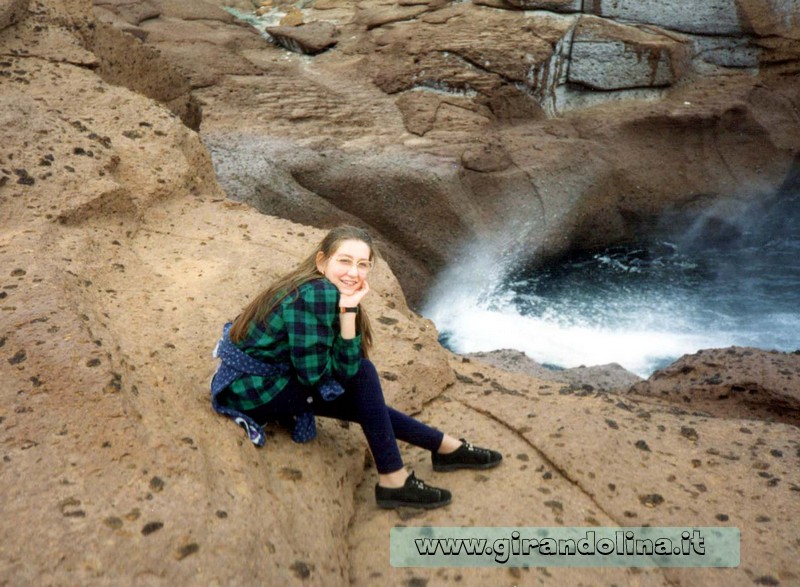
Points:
[(710, 17), (610, 56)]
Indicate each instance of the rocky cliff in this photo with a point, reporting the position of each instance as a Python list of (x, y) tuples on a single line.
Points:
[(122, 256), (561, 125)]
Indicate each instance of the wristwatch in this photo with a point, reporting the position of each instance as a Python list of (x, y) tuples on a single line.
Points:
[(343, 310)]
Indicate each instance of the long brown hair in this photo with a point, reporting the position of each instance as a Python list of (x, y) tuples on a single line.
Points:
[(257, 310)]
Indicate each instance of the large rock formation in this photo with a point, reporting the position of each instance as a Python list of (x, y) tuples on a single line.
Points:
[(121, 257), (729, 382), (439, 123)]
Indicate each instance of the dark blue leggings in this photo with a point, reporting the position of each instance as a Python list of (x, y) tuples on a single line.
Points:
[(362, 402)]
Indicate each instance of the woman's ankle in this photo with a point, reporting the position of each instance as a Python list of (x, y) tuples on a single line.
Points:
[(394, 479), (448, 445)]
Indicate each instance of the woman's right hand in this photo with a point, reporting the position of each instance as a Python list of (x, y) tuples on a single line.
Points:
[(354, 299)]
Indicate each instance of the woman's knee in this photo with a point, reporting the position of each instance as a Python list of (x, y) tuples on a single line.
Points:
[(366, 383)]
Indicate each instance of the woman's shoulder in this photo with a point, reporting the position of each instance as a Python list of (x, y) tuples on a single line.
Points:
[(318, 289)]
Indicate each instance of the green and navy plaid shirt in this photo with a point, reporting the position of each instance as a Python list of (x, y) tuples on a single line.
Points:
[(302, 331)]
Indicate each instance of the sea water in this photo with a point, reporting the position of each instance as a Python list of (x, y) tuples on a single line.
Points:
[(641, 306)]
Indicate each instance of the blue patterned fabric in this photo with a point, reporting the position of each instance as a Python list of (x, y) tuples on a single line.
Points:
[(235, 363)]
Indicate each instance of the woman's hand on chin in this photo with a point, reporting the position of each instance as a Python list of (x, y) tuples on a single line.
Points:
[(350, 298)]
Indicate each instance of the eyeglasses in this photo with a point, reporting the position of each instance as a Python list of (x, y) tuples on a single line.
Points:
[(347, 263)]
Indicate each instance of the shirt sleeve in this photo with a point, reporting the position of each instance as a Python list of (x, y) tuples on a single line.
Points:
[(317, 349)]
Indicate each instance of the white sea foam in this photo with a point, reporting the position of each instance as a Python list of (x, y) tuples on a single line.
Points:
[(471, 326), (641, 307)]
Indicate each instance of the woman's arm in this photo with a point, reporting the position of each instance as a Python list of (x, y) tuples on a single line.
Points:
[(347, 325), (347, 320)]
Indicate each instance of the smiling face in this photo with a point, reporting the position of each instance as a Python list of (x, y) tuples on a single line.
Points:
[(348, 266)]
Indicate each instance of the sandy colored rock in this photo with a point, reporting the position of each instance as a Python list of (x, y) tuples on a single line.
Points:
[(485, 158), (612, 377), (293, 18), (426, 109), (646, 462), (329, 4), (496, 4), (12, 11), (419, 110), (131, 12), (376, 16), (126, 214), (536, 495), (563, 6), (243, 5), (773, 17), (731, 383), (50, 42), (122, 257), (458, 76), (198, 10), (308, 39), (475, 49)]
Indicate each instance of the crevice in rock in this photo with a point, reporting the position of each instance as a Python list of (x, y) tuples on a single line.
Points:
[(479, 67), (203, 86), (347, 571), (664, 572), (454, 105), (554, 73), (435, 85), (544, 457), (149, 18), (505, 425)]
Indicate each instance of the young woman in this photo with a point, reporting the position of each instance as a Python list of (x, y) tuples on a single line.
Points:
[(300, 349)]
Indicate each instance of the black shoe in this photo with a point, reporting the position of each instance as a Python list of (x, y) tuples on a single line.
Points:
[(413, 494), (466, 456)]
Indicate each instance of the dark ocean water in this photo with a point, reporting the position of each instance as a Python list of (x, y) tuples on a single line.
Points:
[(715, 282)]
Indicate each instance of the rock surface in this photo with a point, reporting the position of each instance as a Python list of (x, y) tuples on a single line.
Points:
[(485, 111), (719, 17), (609, 56), (11, 11), (308, 39), (727, 382), (121, 257), (612, 377)]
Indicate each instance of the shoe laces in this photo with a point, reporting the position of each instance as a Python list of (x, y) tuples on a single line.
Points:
[(476, 449), (471, 447), (420, 484), (417, 482)]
